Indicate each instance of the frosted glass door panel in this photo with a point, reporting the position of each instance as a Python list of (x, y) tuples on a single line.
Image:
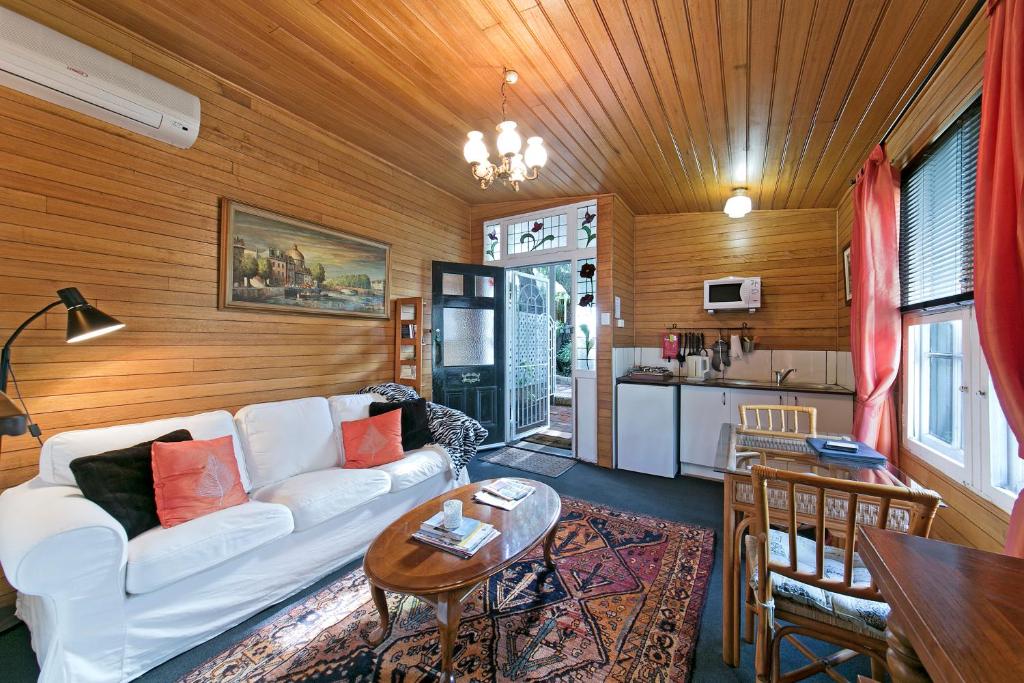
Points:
[(468, 337)]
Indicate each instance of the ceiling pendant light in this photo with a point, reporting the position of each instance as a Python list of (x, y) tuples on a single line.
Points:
[(738, 205), (516, 164)]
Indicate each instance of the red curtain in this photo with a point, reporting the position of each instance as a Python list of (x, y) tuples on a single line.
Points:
[(875, 325), (999, 224)]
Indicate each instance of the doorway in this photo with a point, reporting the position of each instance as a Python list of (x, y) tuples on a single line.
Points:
[(540, 352)]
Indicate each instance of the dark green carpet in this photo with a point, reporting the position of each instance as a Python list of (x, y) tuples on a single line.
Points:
[(683, 499)]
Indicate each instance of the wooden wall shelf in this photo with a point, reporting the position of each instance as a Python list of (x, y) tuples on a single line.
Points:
[(408, 349)]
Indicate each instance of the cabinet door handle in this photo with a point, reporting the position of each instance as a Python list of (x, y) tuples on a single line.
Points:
[(796, 400), (723, 398)]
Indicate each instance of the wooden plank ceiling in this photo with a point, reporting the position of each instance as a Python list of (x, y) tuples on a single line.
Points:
[(668, 103)]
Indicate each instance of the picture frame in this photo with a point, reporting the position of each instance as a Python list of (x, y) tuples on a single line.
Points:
[(846, 275), (273, 262)]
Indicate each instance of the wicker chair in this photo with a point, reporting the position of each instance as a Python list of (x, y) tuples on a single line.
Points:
[(822, 591), (778, 420)]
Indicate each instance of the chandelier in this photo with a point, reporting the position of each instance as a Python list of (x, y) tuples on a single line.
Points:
[(514, 166)]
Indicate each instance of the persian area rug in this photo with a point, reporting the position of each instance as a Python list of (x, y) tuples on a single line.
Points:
[(529, 461), (623, 604)]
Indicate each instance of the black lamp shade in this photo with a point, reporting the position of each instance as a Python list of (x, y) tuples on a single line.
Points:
[(13, 422), (84, 320)]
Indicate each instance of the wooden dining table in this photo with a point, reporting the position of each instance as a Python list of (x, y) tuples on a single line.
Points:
[(957, 612), (737, 452)]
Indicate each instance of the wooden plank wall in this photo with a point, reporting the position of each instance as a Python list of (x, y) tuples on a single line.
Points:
[(133, 223), (969, 519), (792, 251)]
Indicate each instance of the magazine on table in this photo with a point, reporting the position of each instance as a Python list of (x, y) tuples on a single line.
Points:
[(467, 547), (503, 493), (435, 527)]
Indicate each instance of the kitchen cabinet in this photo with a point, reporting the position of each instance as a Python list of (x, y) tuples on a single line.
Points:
[(647, 426), (835, 411), (702, 410)]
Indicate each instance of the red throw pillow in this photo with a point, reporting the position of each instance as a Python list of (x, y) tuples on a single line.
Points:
[(373, 441), (195, 478)]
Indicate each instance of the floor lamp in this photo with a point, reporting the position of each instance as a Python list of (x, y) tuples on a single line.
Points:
[(84, 322)]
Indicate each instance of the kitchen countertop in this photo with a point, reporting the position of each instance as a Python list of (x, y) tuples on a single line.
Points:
[(739, 384)]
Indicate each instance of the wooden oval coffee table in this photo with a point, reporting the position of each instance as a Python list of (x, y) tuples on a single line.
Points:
[(397, 563)]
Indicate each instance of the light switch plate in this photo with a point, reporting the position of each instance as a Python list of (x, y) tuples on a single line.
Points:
[(618, 308), (606, 318), (620, 322)]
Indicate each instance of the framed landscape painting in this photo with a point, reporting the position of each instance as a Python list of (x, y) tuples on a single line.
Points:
[(273, 262)]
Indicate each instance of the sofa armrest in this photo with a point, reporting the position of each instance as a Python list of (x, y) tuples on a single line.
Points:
[(55, 542)]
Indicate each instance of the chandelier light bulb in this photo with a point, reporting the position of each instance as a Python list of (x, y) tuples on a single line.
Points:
[(475, 151), (483, 169), (518, 168), (509, 142), (739, 204), (535, 156)]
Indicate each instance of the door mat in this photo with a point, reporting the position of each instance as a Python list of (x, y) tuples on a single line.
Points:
[(530, 461)]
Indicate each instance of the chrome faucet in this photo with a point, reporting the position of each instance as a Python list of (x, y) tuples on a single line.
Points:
[(781, 375)]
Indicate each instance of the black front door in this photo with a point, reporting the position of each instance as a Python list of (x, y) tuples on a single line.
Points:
[(469, 343)]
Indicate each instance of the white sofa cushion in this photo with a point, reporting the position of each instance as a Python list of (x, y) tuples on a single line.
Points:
[(415, 467), (60, 449), (286, 438), (348, 407), (159, 557), (315, 497)]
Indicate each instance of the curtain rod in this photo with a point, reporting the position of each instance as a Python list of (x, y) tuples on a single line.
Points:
[(931, 72)]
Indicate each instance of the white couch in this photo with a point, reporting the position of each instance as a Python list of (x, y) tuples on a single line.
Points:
[(103, 608)]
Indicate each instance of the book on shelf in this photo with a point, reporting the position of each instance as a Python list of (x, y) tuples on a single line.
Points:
[(467, 547)]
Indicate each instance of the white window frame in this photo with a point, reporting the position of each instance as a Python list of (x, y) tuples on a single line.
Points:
[(976, 471)]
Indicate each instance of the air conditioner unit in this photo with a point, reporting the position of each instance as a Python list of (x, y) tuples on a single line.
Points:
[(39, 61)]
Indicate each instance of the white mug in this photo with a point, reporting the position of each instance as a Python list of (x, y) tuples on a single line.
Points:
[(452, 514)]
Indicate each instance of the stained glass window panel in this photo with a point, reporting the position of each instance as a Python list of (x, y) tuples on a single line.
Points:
[(586, 226), (537, 234)]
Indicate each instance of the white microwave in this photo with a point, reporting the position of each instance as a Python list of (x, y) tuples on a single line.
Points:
[(732, 293)]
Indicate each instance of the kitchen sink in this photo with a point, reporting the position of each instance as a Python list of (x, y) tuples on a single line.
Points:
[(761, 384)]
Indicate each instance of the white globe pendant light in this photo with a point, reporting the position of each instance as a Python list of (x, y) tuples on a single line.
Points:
[(739, 204)]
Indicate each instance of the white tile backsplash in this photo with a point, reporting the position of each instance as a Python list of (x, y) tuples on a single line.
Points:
[(831, 367), (811, 366), (844, 370), (754, 366)]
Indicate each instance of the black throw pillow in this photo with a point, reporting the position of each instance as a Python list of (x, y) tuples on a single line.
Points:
[(121, 482), (415, 422)]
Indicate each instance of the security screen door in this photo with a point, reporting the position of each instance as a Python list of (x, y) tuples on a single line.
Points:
[(531, 345)]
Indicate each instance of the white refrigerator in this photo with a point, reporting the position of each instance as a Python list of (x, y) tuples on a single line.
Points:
[(648, 428)]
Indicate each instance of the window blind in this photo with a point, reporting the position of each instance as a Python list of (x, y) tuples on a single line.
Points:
[(937, 218)]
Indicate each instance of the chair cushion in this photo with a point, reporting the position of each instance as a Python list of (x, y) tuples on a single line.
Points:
[(414, 467), (286, 438), (195, 478), (60, 449), (315, 497), (160, 556), (858, 614)]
